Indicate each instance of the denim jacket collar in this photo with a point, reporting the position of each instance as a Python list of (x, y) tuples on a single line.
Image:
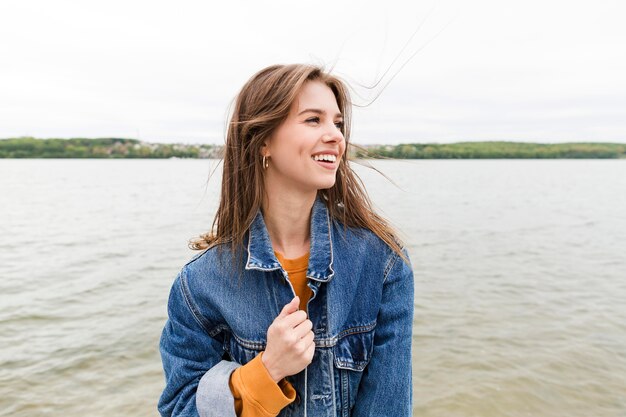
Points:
[(261, 254)]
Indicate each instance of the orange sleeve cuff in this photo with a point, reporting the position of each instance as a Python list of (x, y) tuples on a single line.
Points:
[(255, 392)]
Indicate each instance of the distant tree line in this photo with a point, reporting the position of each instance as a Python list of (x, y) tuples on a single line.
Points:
[(28, 147), (494, 150)]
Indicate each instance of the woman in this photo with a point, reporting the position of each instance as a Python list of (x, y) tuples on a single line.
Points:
[(302, 302)]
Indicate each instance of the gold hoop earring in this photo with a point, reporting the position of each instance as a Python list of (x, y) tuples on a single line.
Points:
[(265, 162)]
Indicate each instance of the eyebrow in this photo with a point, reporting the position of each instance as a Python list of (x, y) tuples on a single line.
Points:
[(318, 111)]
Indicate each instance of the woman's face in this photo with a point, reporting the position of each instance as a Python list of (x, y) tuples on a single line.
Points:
[(305, 150)]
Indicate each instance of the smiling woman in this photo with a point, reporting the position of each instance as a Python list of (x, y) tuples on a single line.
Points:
[(301, 303)]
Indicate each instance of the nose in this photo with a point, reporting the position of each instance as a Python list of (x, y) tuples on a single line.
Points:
[(333, 135)]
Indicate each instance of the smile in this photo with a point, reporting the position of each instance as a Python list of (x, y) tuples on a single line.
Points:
[(323, 157), (325, 160)]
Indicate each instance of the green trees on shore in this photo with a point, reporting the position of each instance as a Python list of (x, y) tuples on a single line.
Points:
[(27, 147), (495, 150)]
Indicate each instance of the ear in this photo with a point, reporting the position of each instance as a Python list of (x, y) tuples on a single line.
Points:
[(265, 149)]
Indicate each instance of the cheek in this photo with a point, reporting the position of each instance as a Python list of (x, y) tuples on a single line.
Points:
[(342, 146), (300, 151), (292, 158)]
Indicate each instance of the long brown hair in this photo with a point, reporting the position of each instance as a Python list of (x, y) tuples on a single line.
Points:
[(261, 106)]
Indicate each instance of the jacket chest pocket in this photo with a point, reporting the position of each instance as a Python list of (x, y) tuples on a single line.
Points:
[(352, 354)]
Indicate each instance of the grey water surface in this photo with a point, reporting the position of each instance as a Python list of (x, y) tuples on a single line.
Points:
[(520, 281)]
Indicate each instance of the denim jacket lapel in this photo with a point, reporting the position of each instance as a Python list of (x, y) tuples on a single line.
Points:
[(261, 254), (321, 255)]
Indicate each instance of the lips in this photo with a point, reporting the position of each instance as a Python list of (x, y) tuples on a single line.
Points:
[(327, 152), (328, 159)]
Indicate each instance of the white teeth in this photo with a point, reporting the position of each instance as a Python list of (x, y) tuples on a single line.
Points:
[(329, 158)]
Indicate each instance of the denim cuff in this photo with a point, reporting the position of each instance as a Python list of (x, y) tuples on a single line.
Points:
[(214, 397)]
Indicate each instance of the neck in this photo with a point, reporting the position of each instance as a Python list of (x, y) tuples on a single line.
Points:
[(287, 217)]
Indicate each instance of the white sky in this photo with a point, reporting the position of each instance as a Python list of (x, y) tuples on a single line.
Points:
[(532, 70)]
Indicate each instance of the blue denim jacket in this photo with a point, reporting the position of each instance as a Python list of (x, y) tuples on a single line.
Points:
[(362, 313)]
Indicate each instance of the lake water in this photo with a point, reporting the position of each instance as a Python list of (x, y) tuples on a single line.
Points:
[(520, 281)]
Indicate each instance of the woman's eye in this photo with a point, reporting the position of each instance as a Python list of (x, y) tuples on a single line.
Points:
[(339, 124)]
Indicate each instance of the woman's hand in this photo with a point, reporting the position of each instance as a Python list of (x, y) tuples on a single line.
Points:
[(290, 345)]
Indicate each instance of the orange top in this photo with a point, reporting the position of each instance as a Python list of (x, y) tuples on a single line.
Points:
[(296, 269), (255, 392)]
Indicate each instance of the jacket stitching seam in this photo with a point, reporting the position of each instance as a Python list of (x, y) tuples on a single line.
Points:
[(390, 264), (249, 254), (326, 342), (248, 343), (191, 305), (356, 330)]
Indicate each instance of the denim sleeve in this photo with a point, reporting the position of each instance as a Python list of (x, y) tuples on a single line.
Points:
[(196, 377), (386, 385)]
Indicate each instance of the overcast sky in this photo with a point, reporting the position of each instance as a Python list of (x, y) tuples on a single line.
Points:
[(532, 70)]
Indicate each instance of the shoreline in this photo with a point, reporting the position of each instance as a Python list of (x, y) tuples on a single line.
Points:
[(122, 148)]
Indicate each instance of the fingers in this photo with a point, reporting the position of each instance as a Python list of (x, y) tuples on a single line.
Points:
[(303, 328), (294, 319), (291, 307), (308, 339), (309, 349)]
